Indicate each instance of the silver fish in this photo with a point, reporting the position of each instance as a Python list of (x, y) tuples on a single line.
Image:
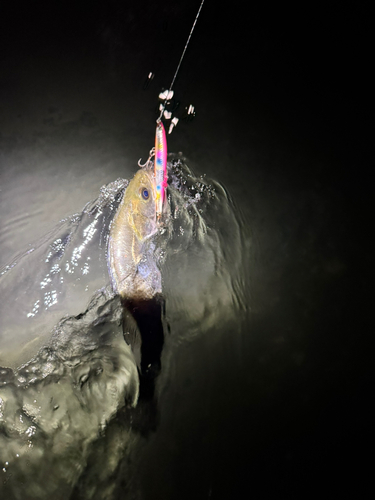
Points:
[(134, 273)]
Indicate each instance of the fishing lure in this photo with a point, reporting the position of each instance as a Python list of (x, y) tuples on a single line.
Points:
[(160, 138), (160, 167)]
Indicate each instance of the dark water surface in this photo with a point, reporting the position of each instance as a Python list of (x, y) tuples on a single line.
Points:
[(264, 386)]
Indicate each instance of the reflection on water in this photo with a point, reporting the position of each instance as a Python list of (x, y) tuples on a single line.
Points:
[(57, 276), (70, 423)]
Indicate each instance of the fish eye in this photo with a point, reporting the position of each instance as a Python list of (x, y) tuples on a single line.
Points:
[(145, 193)]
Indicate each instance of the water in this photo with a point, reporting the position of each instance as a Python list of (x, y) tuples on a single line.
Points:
[(275, 404), (54, 277), (69, 382)]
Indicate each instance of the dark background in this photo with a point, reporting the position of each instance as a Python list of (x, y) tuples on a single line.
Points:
[(281, 99)]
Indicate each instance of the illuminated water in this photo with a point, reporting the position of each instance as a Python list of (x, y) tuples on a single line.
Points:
[(69, 382), (275, 404)]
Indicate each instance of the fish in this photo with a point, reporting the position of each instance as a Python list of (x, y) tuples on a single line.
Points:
[(135, 275), (132, 268)]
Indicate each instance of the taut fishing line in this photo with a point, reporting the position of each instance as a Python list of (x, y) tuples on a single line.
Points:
[(181, 58)]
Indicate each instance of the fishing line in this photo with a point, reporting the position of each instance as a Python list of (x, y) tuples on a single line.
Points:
[(181, 58)]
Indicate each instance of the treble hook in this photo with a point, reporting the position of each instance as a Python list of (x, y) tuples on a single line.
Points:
[(152, 153)]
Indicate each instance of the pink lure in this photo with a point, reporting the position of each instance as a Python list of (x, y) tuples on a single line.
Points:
[(160, 167)]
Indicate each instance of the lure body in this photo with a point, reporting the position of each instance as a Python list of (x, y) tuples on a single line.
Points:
[(160, 167)]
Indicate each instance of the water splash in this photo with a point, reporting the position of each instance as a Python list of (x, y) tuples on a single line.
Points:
[(57, 276), (54, 407), (204, 255), (67, 370)]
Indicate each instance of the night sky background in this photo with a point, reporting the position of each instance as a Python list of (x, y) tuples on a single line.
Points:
[(281, 99)]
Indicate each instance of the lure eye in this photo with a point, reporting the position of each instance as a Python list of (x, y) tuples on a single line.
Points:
[(145, 193)]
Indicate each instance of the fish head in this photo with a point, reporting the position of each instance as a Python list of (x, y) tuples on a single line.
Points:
[(131, 250), (140, 202)]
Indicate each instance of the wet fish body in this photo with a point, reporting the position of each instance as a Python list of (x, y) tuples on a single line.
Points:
[(131, 261)]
